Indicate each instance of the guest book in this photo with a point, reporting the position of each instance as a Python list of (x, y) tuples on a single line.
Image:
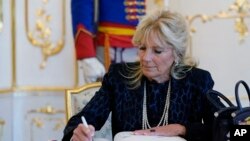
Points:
[(129, 136)]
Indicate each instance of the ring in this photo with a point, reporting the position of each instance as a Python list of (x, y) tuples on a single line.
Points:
[(152, 130)]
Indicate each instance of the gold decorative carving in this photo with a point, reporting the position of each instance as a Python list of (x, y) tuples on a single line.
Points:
[(160, 3), (238, 11), (14, 87), (2, 122), (1, 15), (48, 109), (40, 35), (39, 121)]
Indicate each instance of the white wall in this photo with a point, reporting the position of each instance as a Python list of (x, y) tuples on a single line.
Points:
[(60, 68), (5, 47), (46, 87), (216, 44)]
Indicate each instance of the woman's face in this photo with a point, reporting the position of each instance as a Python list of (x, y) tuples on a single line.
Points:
[(156, 61)]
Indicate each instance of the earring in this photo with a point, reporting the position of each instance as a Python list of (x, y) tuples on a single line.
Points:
[(176, 63)]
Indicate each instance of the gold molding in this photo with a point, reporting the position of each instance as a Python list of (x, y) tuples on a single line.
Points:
[(14, 86), (76, 70), (13, 49), (69, 92), (32, 88), (47, 109), (39, 121), (40, 36), (238, 11), (2, 122), (7, 90), (159, 3), (13, 43)]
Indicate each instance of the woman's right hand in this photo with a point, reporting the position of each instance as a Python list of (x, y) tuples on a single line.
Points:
[(83, 133)]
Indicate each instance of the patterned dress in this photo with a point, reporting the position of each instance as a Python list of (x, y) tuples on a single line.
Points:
[(188, 105)]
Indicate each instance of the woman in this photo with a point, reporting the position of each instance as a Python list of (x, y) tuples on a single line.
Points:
[(163, 94)]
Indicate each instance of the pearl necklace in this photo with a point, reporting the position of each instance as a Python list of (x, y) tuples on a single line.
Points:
[(164, 117)]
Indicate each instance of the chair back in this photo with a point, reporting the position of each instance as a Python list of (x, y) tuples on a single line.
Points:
[(77, 98)]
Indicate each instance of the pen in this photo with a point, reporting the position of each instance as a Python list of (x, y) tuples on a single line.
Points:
[(86, 124), (84, 121)]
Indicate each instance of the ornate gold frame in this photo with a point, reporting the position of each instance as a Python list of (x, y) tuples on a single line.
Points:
[(242, 11), (70, 92), (38, 121), (40, 36), (14, 86), (239, 10)]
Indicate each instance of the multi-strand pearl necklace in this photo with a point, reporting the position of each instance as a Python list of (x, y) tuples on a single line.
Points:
[(164, 117)]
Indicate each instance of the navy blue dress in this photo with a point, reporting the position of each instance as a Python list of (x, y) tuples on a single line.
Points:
[(188, 105)]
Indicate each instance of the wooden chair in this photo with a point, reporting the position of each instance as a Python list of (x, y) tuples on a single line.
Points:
[(77, 98)]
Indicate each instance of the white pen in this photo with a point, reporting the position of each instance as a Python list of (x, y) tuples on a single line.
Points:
[(84, 121)]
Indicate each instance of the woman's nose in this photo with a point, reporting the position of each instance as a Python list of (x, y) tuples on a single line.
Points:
[(147, 55)]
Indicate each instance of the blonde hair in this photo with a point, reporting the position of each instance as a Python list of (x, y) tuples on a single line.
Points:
[(168, 28)]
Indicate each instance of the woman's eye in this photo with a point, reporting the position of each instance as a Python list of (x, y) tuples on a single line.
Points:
[(158, 51), (142, 48)]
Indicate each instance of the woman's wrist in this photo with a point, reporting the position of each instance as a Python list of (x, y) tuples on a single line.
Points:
[(181, 130)]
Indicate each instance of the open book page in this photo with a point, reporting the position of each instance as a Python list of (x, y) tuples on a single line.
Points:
[(128, 136), (101, 139)]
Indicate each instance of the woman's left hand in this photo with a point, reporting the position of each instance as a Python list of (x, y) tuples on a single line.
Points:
[(167, 130)]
